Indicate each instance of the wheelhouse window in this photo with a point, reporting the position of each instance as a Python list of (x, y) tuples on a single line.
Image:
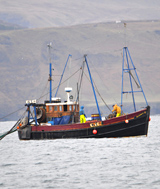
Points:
[(65, 108), (75, 108), (55, 108), (50, 108), (70, 108), (60, 108)]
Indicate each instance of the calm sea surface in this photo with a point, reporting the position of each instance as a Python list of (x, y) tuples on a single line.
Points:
[(81, 163)]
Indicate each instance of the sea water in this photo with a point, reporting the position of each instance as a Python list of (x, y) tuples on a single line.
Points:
[(81, 163)]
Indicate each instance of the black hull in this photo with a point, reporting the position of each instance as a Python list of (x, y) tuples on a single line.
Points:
[(136, 127)]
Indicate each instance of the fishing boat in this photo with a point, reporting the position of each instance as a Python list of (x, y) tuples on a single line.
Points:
[(55, 119)]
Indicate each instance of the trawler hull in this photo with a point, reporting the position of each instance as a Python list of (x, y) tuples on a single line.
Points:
[(134, 124)]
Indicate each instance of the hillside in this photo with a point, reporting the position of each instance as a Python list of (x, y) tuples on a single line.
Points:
[(24, 60)]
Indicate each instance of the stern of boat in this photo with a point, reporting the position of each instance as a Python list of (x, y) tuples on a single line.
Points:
[(24, 133)]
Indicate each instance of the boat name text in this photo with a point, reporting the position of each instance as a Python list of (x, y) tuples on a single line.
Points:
[(96, 124)]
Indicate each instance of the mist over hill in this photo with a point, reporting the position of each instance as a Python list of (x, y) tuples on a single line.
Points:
[(58, 13)]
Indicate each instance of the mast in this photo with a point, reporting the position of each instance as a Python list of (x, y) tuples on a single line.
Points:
[(50, 81), (62, 74), (130, 66), (138, 78), (93, 87), (50, 72)]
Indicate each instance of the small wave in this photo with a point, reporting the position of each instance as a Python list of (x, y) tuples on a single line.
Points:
[(11, 173), (156, 182), (48, 181), (39, 163), (8, 165)]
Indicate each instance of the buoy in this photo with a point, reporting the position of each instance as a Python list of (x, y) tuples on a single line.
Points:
[(149, 118), (126, 121), (94, 131)]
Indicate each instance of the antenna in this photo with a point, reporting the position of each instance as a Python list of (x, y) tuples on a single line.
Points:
[(125, 26), (49, 47)]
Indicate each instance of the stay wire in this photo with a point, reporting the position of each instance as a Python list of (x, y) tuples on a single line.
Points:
[(46, 85), (38, 98), (61, 83), (11, 113), (80, 83), (131, 73), (98, 93), (101, 79)]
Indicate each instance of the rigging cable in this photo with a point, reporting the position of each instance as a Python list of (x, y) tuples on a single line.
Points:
[(40, 96), (102, 80), (98, 93), (46, 85), (80, 84), (11, 113), (129, 71), (61, 83)]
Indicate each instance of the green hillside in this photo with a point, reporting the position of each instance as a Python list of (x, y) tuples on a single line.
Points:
[(24, 60)]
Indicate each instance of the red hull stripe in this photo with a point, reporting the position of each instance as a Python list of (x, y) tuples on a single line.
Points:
[(87, 124)]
